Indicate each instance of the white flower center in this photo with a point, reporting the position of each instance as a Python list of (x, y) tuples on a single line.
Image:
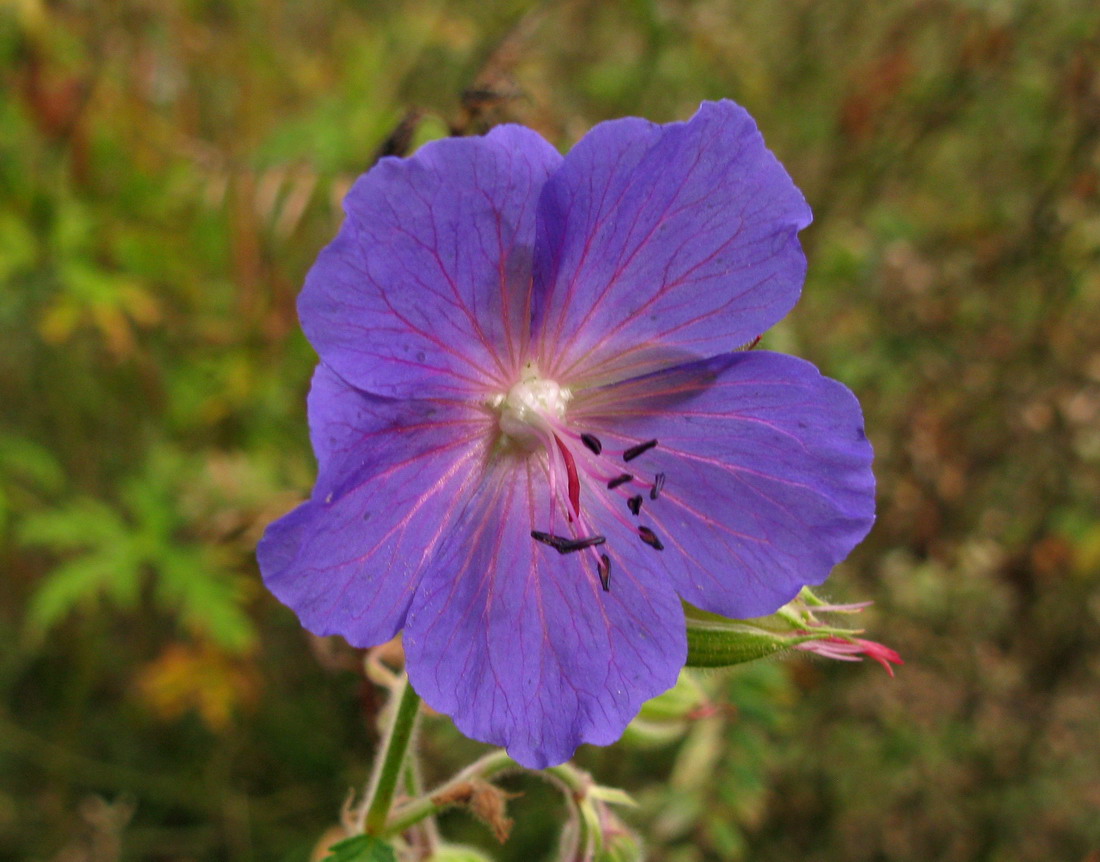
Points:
[(531, 408)]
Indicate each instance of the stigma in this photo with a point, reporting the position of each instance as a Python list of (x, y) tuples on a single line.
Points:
[(531, 408)]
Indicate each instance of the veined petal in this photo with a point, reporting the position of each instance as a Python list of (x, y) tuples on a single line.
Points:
[(394, 476), (426, 289), (661, 244), (521, 646), (768, 481)]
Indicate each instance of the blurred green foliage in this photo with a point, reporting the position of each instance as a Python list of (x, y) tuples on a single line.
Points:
[(168, 171)]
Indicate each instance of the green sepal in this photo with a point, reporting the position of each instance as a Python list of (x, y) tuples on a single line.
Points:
[(725, 644)]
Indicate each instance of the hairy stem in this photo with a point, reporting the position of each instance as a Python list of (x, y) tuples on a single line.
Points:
[(390, 767), (487, 767)]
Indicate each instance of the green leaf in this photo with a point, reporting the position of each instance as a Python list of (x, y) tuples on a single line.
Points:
[(18, 244), (206, 596), (84, 523), (106, 568), (77, 583), (361, 848), (26, 461)]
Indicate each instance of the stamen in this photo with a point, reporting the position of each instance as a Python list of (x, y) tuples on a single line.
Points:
[(568, 546), (603, 568), (573, 482), (621, 479), (545, 538), (564, 545), (634, 451), (634, 504), (658, 486), (593, 443), (650, 538)]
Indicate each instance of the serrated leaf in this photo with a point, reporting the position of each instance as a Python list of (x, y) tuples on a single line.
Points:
[(85, 523), (361, 848), (76, 583), (205, 597)]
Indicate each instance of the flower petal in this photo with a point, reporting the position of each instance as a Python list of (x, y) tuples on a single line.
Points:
[(768, 481), (520, 645), (393, 477), (660, 244), (426, 289)]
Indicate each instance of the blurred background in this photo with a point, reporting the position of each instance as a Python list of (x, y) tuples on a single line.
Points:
[(169, 170)]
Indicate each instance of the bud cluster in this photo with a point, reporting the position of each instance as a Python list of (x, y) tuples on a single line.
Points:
[(715, 641)]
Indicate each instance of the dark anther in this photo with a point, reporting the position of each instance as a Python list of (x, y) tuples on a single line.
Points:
[(545, 538), (658, 486), (604, 569), (650, 538), (634, 504), (634, 451), (621, 479), (567, 546), (570, 545), (592, 442)]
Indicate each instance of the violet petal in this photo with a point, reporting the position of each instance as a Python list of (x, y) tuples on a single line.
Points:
[(393, 479), (658, 244), (769, 481), (521, 645), (425, 291)]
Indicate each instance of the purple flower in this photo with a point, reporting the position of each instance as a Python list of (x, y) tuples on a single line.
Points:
[(533, 436)]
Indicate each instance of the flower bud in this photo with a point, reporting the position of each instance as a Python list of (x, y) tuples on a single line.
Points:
[(723, 644), (665, 718), (715, 641)]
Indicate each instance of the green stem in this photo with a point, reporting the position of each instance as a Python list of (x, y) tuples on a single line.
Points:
[(487, 767), (574, 785), (392, 763), (575, 780), (427, 830)]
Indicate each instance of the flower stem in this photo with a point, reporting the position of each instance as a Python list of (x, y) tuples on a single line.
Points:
[(391, 765), (426, 837), (574, 784), (487, 767)]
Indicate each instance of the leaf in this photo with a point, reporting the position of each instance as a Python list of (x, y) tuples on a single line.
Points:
[(205, 596), (18, 245), (108, 567), (26, 461), (84, 523), (76, 583), (361, 848)]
